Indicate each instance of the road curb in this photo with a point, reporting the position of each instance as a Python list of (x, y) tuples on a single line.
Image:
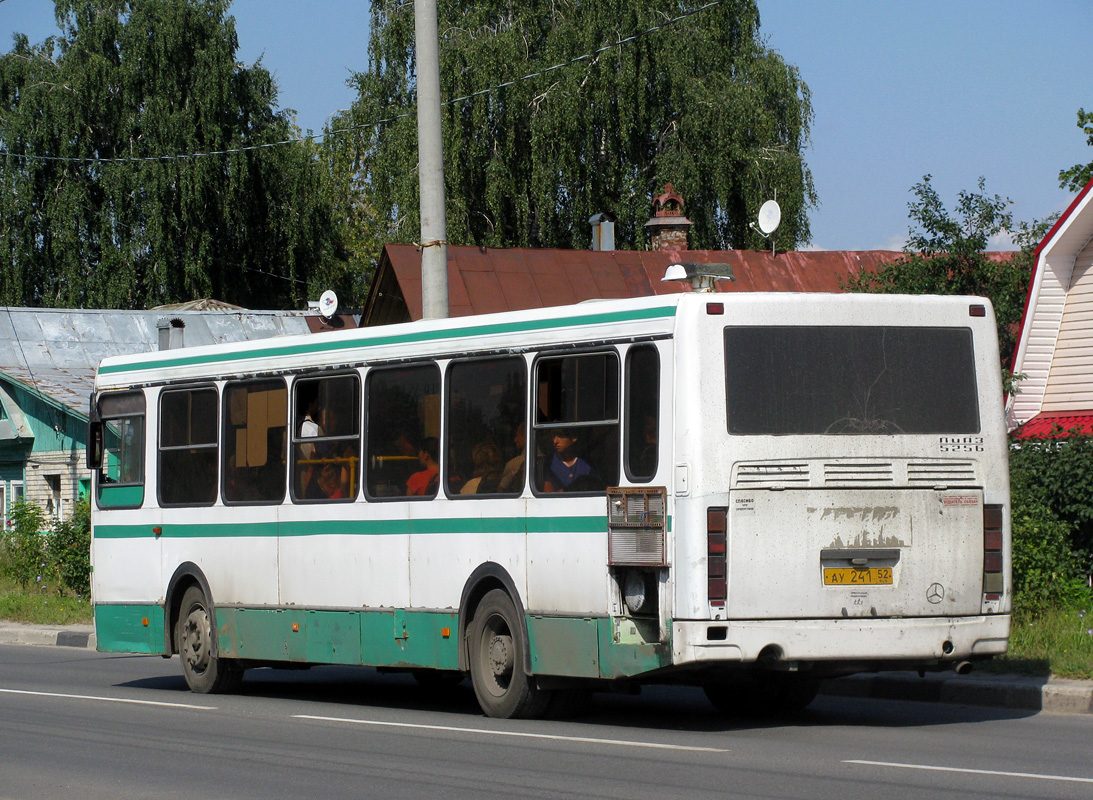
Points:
[(1054, 695), (82, 636)]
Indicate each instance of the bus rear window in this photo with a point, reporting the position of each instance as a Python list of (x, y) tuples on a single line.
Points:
[(880, 380)]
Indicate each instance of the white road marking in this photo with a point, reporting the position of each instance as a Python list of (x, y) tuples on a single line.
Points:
[(108, 699), (1035, 775), (485, 732)]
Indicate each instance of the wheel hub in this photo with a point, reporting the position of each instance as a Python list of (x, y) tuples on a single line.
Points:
[(500, 655), (195, 641)]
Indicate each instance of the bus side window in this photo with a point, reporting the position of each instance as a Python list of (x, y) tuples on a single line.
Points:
[(326, 438), (642, 412), (121, 471), (576, 428), (486, 412), (403, 424), (187, 447), (255, 417)]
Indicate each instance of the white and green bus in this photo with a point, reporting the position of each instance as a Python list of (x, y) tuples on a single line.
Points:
[(745, 492)]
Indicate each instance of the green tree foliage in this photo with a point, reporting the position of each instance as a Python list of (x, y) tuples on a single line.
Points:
[(702, 103), (1079, 175), (92, 213), (945, 254)]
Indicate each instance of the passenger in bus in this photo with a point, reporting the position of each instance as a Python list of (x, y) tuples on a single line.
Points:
[(330, 482), (568, 472), (425, 481), (488, 464), (512, 476), (307, 477)]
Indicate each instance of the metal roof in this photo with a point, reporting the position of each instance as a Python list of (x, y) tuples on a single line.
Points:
[(484, 280), (1055, 426), (56, 351)]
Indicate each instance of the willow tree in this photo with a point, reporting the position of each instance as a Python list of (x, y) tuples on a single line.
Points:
[(129, 177), (700, 102)]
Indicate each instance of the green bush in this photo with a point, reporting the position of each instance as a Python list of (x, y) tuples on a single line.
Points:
[(24, 546), (52, 560), (69, 549), (1051, 485)]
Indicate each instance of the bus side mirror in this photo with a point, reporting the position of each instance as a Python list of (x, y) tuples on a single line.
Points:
[(94, 446)]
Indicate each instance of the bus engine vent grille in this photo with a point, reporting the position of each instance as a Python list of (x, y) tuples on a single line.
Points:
[(794, 473), (637, 524), (852, 473), (937, 473)]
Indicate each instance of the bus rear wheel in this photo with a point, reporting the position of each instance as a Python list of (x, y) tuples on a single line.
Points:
[(495, 649), (205, 671)]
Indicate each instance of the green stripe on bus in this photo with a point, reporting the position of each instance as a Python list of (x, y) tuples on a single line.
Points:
[(358, 527), (326, 346)]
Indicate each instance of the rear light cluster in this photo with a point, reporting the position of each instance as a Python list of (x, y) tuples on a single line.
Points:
[(717, 555), (992, 552)]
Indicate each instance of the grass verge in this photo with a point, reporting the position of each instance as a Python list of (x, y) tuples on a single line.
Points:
[(1057, 642), (44, 608)]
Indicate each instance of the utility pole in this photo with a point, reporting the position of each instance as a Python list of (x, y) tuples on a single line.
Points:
[(430, 160)]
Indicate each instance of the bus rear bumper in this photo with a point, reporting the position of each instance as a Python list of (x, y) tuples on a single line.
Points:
[(861, 640)]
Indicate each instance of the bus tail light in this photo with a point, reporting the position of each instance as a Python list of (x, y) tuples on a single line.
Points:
[(717, 555), (993, 575)]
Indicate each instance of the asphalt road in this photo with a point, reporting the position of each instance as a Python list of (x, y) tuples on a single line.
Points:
[(76, 724)]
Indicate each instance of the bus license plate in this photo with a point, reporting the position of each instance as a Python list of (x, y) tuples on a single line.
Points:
[(857, 576)]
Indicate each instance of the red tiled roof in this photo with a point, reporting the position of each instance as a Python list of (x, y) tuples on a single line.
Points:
[(1055, 426), (482, 280)]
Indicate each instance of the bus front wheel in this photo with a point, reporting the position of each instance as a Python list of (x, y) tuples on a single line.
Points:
[(495, 647), (204, 671)]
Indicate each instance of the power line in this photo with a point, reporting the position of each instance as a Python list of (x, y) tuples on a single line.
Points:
[(375, 123)]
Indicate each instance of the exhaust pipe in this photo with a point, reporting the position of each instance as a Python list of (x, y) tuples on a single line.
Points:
[(963, 668)]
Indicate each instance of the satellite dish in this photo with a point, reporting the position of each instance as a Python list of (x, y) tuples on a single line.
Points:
[(770, 217), (328, 304)]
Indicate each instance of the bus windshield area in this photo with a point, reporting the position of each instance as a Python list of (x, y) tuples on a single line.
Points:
[(864, 380)]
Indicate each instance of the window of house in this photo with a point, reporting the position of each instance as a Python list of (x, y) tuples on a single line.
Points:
[(326, 438), (187, 447), (54, 498), (576, 430), (486, 425), (642, 412), (403, 423), (255, 422)]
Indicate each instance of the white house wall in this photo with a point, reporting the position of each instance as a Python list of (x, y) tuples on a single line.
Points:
[(1069, 384), (1058, 271)]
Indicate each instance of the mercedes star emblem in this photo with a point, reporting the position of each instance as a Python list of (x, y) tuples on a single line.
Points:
[(936, 593)]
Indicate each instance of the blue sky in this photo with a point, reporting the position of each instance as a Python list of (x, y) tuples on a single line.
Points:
[(958, 89)]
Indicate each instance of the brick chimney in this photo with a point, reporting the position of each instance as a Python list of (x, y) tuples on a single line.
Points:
[(668, 227)]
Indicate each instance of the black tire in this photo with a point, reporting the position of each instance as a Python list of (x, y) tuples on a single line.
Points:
[(762, 695), (495, 650), (204, 671)]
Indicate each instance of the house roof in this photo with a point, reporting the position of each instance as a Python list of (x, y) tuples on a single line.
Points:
[(483, 280), (1051, 277), (55, 352), (1055, 425)]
